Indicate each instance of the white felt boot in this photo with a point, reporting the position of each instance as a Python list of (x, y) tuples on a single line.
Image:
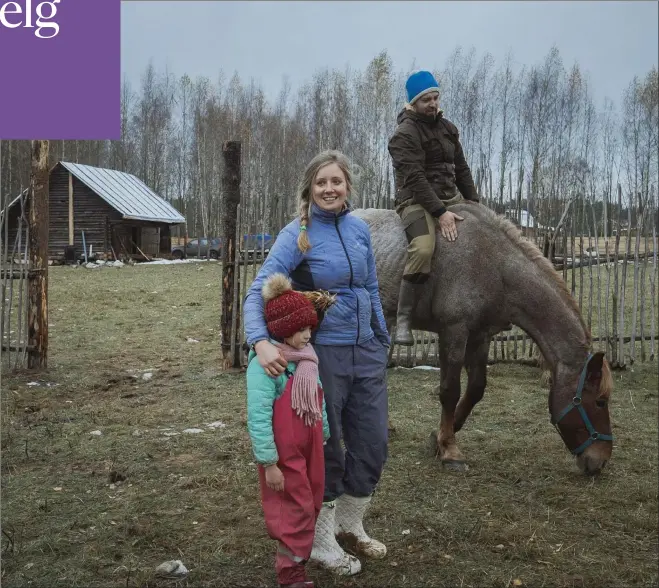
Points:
[(350, 528), (326, 551)]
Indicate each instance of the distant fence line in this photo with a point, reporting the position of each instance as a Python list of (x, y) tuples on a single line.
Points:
[(613, 279), (617, 296)]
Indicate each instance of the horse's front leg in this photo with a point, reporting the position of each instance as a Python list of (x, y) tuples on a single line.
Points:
[(476, 365), (452, 355)]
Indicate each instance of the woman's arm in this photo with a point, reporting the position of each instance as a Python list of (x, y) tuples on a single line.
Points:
[(283, 258), (378, 323)]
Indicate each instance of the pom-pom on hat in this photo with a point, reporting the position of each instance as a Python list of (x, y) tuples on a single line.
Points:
[(286, 311), (420, 83)]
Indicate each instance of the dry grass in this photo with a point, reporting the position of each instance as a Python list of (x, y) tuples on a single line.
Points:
[(522, 512)]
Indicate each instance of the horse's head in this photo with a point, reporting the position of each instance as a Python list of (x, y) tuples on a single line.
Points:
[(579, 408)]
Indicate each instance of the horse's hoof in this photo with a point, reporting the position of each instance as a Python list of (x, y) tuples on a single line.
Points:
[(455, 465)]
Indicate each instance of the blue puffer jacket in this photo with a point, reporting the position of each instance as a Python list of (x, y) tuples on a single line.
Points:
[(340, 261)]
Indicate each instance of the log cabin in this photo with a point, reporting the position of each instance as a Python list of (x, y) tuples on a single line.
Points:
[(120, 216)]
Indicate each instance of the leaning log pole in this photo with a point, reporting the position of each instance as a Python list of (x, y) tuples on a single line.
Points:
[(230, 319), (37, 315)]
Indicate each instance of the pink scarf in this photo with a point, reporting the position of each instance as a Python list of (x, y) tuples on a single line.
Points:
[(304, 395)]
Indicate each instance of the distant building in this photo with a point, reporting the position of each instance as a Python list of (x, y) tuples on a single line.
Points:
[(526, 219), (119, 214), (527, 223)]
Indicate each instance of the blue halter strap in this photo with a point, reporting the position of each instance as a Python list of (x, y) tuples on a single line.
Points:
[(576, 403)]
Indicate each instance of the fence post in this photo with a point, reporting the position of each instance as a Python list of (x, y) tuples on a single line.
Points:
[(39, 220), (231, 151)]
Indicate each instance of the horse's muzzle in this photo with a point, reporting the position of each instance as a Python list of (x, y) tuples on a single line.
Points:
[(593, 460)]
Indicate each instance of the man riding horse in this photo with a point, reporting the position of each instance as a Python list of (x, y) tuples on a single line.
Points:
[(430, 168)]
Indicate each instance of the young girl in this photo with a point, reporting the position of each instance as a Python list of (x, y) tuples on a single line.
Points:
[(288, 426)]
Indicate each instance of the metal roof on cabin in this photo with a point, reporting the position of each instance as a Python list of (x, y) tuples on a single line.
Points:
[(126, 193)]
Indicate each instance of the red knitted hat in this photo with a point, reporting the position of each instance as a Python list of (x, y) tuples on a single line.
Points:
[(286, 311)]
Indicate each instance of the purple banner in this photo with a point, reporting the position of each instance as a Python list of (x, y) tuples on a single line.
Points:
[(60, 65)]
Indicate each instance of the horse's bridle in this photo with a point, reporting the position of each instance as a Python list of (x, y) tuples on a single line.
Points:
[(576, 403)]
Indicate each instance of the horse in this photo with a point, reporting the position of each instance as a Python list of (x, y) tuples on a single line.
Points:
[(480, 284)]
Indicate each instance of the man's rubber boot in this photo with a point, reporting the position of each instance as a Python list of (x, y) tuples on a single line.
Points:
[(407, 300)]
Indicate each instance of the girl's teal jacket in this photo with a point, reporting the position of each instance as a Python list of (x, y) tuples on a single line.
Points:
[(262, 391)]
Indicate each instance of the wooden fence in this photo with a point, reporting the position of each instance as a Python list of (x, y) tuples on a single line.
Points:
[(24, 273), (612, 276)]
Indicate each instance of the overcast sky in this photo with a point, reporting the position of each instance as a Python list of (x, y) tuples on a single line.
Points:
[(611, 41)]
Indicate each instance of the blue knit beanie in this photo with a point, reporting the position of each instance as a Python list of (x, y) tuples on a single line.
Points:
[(420, 83)]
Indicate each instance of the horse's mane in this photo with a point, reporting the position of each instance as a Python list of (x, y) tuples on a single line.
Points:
[(533, 253), (606, 385)]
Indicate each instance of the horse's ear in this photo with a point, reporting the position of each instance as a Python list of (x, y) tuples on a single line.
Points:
[(595, 366)]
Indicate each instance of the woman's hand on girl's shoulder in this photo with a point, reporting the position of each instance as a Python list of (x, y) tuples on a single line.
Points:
[(270, 358)]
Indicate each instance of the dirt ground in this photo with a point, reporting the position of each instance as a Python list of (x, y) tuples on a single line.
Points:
[(108, 471)]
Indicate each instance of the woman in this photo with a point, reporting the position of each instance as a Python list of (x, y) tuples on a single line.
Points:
[(327, 248)]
